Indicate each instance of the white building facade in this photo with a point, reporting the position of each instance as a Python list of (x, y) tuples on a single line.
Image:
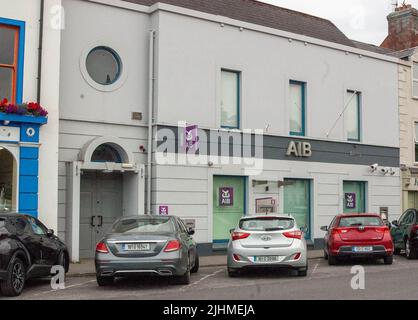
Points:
[(29, 72), (283, 120)]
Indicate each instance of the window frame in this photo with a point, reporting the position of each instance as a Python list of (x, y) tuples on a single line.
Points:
[(302, 85), (359, 96), (239, 76), (414, 80), (415, 141), (19, 56)]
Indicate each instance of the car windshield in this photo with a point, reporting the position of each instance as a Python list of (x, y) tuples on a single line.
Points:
[(360, 221), (144, 225), (266, 224)]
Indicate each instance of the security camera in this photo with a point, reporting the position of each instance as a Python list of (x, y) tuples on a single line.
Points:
[(384, 170), (392, 172), (374, 167)]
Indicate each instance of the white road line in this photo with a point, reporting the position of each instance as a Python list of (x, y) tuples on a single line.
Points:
[(200, 280), (66, 287), (314, 269)]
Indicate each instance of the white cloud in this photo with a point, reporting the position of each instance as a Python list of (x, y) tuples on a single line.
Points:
[(363, 20)]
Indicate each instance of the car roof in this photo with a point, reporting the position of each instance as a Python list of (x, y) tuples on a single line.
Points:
[(11, 214), (280, 216), (343, 215)]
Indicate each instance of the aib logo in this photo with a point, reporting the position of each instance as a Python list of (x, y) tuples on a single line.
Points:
[(226, 197)]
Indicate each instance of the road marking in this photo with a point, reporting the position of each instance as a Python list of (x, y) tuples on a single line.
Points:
[(316, 267), (200, 280), (66, 287)]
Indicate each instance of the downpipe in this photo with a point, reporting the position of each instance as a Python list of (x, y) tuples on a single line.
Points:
[(150, 118)]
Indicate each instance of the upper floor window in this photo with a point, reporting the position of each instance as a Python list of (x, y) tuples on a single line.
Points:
[(352, 115), (103, 65), (297, 108), (416, 141), (230, 99), (415, 80), (11, 59)]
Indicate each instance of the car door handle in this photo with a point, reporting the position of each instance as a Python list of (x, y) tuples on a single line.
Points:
[(92, 221), (101, 221)]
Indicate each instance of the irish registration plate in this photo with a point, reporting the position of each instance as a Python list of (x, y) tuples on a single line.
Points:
[(362, 249), (136, 247), (267, 259)]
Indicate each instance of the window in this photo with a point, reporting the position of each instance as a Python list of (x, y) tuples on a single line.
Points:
[(352, 115), (416, 141), (11, 59), (230, 99), (37, 227), (297, 108), (103, 65), (106, 153), (415, 80)]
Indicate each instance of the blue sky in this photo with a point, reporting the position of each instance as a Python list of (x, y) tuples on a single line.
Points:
[(363, 20)]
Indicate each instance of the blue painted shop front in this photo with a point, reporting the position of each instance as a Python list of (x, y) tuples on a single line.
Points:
[(19, 137)]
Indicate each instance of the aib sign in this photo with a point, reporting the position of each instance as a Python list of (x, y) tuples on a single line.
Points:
[(226, 197), (350, 200)]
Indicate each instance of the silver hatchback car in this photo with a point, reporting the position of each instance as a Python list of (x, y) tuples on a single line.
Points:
[(273, 241)]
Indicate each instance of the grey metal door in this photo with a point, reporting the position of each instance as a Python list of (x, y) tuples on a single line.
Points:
[(100, 206)]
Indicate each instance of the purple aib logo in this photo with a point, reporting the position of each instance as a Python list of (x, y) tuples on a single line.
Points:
[(226, 197)]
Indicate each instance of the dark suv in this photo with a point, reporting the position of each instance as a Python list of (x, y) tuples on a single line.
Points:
[(27, 250), (405, 234)]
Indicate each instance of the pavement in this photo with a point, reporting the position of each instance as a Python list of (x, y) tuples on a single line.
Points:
[(324, 282), (86, 267)]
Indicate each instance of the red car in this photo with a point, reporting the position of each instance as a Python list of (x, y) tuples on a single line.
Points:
[(357, 235)]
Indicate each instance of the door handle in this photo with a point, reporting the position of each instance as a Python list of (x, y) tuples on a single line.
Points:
[(92, 221), (101, 221)]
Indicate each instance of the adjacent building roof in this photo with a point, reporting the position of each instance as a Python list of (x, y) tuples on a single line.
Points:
[(263, 14), (372, 47)]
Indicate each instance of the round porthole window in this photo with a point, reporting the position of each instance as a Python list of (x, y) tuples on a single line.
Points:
[(103, 65)]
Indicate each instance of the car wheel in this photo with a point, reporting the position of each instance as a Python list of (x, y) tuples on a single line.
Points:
[(62, 261), (184, 279), (233, 273), (388, 260), (105, 281), (16, 278), (396, 251), (196, 265), (303, 272), (332, 261), (409, 253)]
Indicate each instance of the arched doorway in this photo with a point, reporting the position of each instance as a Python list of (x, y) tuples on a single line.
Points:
[(101, 197), (8, 181)]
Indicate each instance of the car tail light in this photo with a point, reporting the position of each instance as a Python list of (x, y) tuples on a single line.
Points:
[(294, 234), (338, 231), (173, 245), (239, 235), (297, 256), (102, 248), (382, 230), (236, 257)]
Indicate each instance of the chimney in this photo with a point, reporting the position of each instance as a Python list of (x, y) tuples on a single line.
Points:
[(403, 28)]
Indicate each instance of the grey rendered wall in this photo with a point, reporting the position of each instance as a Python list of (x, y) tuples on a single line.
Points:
[(195, 50), (87, 113)]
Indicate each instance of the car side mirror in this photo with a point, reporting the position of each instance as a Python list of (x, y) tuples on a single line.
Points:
[(324, 228), (395, 223), (231, 230), (49, 233), (304, 229), (191, 231)]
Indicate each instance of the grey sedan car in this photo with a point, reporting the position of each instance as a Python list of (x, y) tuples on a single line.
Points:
[(147, 245), (272, 241)]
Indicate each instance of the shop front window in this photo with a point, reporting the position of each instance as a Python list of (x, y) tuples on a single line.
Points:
[(297, 202), (8, 178)]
